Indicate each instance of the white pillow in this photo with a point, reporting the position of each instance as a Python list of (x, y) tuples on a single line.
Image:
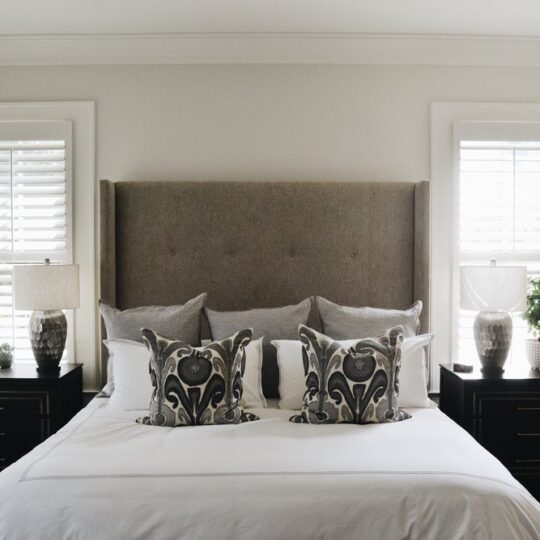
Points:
[(413, 373), (253, 397), (292, 381), (132, 385), (412, 376)]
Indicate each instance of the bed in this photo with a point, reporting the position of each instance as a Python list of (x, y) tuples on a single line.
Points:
[(104, 476)]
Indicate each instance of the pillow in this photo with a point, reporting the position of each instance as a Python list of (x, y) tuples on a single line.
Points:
[(196, 386), (292, 381), (132, 385), (341, 322), (252, 396), (353, 385), (412, 375), (180, 322), (268, 323)]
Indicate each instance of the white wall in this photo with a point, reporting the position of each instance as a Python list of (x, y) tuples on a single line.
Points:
[(267, 122)]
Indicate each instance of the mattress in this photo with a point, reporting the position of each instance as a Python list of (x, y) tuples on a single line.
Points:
[(104, 476)]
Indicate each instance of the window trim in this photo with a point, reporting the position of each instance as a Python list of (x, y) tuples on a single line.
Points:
[(444, 175), (81, 115)]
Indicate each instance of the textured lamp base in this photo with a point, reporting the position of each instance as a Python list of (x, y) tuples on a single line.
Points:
[(48, 332), (493, 336)]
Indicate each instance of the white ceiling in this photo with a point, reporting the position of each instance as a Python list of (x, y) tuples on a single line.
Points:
[(463, 17)]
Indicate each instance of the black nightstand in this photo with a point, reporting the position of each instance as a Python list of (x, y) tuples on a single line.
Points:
[(502, 413), (35, 405)]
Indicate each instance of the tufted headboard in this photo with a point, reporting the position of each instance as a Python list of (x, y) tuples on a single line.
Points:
[(265, 244)]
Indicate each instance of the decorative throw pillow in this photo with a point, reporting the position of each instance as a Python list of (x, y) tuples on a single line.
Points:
[(196, 386), (354, 385), (342, 322), (179, 322)]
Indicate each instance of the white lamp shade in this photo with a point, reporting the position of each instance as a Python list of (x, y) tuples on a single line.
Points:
[(493, 288), (46, 286)]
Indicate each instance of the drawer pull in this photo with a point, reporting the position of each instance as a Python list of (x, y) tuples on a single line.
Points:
[(2, 434), (528, 408), (2, 459), (527, 460), (2, 408), (528, 434)]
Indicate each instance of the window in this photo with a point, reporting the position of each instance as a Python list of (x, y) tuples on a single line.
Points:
[(35, 211), (499, 216), (476, 214)]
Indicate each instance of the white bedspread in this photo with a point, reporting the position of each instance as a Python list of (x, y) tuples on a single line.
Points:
[(103, 476)]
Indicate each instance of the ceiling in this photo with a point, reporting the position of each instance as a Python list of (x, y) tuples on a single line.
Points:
[(447, 17)]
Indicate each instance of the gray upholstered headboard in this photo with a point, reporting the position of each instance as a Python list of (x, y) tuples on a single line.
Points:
[(265, 244)]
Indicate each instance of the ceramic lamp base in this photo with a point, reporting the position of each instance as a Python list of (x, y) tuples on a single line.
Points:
[(493, 336), (48, 332)]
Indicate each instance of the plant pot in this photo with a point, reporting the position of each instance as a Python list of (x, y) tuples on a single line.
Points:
[(533, 352), (6, 361)]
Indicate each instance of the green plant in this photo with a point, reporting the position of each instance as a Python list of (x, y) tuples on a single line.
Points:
[(532, 313), (5, 350)]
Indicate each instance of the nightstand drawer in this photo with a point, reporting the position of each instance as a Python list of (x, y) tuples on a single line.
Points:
[(22, 434), (511, 411), (514, 446), (17, 404)]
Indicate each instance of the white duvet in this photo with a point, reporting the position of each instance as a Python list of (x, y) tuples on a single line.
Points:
[(104, 476)]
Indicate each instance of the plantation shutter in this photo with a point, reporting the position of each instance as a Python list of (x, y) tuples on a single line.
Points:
[(34, 212), (499, 198)]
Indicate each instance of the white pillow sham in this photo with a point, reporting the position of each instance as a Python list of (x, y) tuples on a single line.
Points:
[(412, 377), (252, 396), (133, 388), (129, 361)]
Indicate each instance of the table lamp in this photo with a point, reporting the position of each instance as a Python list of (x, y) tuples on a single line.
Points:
[(47, 289), (493, 291)]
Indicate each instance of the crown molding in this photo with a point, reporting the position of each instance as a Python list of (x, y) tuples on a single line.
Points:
[(270, 48)]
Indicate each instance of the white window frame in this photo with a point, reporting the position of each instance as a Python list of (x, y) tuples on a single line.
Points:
[(448, 122), (80, 116)]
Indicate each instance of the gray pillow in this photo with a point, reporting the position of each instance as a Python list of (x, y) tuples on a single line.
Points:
[(182, 322), (269, 323), (341, 322)]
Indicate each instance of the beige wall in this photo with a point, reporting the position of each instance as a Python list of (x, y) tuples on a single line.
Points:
[(266, 122)]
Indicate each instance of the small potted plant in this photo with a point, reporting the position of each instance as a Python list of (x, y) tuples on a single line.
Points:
[(6, 356), (532, 316)]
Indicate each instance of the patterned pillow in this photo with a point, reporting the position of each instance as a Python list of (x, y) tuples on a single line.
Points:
[(196, 386), (353, 385)]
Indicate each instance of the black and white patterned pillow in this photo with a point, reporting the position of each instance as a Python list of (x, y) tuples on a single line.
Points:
[(196, 386), (354, 385)]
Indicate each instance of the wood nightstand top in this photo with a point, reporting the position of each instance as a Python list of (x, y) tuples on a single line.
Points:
[(28, 372), (511, 373)]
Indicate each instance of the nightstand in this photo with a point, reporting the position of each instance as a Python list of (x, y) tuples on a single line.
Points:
[(35, 405), (502, 412)]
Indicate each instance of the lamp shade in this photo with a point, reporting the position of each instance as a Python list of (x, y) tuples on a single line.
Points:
[(43, 287), (493, 288)]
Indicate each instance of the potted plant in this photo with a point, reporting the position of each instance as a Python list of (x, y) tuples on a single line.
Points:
[(532, 316), (6, 356)]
